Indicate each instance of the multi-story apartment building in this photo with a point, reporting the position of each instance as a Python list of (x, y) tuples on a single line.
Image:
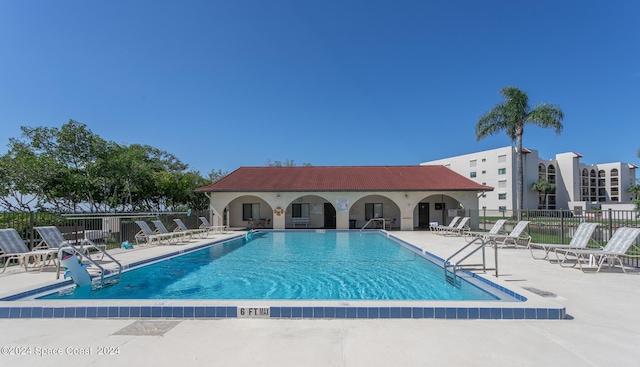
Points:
[(577, 185)]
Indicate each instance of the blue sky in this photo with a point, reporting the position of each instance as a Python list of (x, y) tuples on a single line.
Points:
[(224, 84)]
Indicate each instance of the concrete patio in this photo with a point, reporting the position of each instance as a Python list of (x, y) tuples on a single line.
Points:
[(601, 329)]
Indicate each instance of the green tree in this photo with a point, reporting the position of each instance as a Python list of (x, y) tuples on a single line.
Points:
[(286, 163), (543, 188), (72, 169), (68, 153), (22, 174), (510, 116), (635, 191), (216, 175)]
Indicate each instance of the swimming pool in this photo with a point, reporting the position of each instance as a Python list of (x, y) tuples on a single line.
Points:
[(291, 266), (503, 303)]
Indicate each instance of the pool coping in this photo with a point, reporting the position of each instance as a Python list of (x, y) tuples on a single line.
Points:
[(529, 307)]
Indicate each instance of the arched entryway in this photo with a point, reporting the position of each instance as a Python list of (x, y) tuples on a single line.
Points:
[(310, 211), (374, 207), (435, 208), (250, 211)]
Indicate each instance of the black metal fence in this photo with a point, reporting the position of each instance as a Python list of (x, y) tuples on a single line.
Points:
[(109, 228), (546, 226), (558, 226)]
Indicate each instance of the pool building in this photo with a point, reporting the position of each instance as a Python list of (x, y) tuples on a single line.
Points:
[(341, 197)]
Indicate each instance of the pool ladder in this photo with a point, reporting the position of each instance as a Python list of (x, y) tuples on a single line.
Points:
[(381, 221), (101, 282), (450, 269)]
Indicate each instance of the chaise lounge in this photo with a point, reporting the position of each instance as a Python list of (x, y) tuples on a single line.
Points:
[(459, 230), (207, 225), (146, 234), (451, 225), (14, 248), (52, 238), (494, 231), (581, 239), (516, 235), (200, 232), (618, 245)]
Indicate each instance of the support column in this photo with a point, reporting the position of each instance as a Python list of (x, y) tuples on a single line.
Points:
[(342, 220)]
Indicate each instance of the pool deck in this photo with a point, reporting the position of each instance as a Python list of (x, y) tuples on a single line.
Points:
[(601, 328)]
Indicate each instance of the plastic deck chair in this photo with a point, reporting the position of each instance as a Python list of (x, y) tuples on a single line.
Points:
[(494, 231), (146, 234), (207, 225), (516, 235), (52, 238), (14, 248), (441, 227), (200, 232), (581, 238), (618, 245)]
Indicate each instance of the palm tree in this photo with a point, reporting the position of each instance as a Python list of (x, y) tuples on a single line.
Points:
[(510, 116), (543, 188), (634, 190)]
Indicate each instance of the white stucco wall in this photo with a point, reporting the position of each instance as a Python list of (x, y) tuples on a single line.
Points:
[(399, 207)]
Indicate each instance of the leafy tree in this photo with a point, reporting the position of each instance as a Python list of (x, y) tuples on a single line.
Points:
[(510, 116), (71, 169), (217, 175), (543, 188), (69, 153), (635, 191), (286, 163), (21, 174)]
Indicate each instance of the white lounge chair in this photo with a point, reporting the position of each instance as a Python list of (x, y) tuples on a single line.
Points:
[(146, 234), (52, 238), (207, 225), (494, 231), (200, 232), (580, 240), (178, 234), (459, 230), (516, 235), (14, 248), (440, 227), (618, 245)]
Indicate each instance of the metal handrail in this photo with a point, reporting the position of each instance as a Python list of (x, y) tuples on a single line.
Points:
[(456, 266), (382, 220), (88, 257)]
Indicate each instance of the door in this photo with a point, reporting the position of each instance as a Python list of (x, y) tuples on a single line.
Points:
[(423, 215), (329, 216)]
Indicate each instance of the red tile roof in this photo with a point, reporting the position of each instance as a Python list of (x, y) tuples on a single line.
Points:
[(344, 178)]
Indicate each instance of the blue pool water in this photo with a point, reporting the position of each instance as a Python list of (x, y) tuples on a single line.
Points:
[(291, 265)]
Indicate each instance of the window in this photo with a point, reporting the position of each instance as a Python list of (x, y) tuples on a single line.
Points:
[(300, 210), (484, 172), (372, 210), (502, 196), (473, 163), (502, 209), (502, 171), (502, 184), (502, 158), (472, 174), (484, 159), (250, 211)]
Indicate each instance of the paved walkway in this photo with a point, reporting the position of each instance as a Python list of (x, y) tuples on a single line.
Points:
[(601, 330)]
